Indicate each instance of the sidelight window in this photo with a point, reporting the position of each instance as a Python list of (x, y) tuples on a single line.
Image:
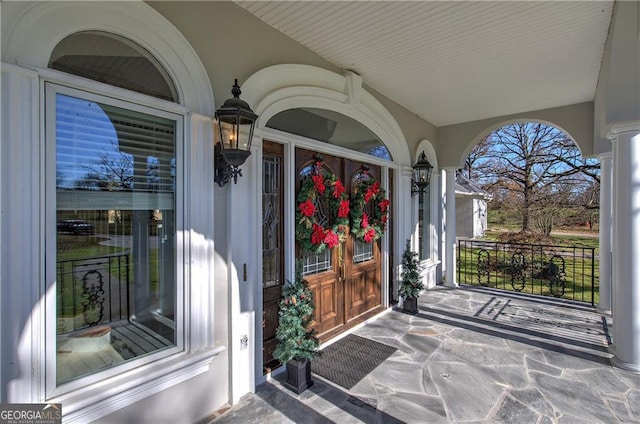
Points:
[(272, 217), (424, 221)]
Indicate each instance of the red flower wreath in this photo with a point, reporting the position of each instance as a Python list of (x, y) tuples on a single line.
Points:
[(322, 215), (368, 196)]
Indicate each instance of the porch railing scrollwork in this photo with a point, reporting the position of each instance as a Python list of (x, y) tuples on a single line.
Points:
[(552, 270), (484, 268), (93, 297), (92, 291), (555, 273), (518, 271)]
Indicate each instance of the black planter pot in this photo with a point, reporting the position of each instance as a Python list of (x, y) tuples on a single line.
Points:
[(410, 305), (298, 376)]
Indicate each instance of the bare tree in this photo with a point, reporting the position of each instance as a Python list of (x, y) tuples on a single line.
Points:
[(474, 164), (112, 172), (536, 163)]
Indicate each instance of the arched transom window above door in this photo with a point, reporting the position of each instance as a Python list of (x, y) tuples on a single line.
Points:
[(113, 60), (332, 128)]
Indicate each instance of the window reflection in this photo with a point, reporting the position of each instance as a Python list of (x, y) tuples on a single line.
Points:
[(115, 236), (332, 128)]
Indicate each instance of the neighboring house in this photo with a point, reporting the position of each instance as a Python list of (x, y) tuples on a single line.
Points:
[(471, 208), (166, 310)]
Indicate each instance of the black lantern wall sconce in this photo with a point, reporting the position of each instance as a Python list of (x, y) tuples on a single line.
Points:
[(235, 124), (421, 175)]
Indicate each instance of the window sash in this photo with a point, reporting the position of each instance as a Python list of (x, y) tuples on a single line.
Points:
[(51, 193)]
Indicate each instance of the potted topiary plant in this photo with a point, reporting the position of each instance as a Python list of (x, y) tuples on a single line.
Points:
[(297, 345), (410, 281)]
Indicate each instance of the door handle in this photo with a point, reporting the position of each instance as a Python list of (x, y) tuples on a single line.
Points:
[(341, 273), (339, 262)]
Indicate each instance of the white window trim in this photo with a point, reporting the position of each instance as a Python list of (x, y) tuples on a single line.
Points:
[(90, 398), (50, 218), (33, 30), (123, 390)]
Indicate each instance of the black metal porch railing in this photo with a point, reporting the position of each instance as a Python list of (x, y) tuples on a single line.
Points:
[(92, 291), (567, 272)]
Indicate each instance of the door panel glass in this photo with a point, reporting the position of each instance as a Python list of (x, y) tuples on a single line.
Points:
[(272, 248), (271, 221), (314, 264), (362, 251)]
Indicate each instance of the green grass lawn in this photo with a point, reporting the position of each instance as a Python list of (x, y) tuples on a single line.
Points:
[(79, 248), (70, 247)]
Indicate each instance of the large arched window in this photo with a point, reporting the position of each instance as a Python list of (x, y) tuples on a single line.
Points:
[(117, 181), (113, 60), (92, 114)]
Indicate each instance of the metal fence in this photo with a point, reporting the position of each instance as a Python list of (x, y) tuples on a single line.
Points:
[(567, 272), (92, 291)]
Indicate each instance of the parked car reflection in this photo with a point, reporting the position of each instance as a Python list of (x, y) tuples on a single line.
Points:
[(75, 226)]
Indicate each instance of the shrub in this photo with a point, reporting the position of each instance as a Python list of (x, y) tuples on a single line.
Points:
[(295, 341), (410, 280)]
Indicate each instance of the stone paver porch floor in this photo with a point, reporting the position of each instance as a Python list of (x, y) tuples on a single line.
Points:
[(469, 356)]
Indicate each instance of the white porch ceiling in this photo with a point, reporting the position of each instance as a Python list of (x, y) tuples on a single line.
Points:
[(456, 61)]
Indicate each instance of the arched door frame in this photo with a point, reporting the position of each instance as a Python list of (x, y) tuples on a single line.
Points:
[(282, 87)]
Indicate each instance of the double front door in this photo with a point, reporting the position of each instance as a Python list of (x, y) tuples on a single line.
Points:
[(345, 280)]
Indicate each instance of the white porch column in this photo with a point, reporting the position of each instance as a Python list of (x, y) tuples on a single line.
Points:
[(605, 222), (450, 228), (626, 245), (242, 208)]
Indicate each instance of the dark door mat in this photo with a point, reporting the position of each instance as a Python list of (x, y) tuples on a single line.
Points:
[(350, 359)]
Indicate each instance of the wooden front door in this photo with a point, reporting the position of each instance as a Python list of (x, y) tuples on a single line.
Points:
[(345, 281)]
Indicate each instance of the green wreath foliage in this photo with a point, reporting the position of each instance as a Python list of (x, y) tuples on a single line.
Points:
[(367, 195), (322, 212)]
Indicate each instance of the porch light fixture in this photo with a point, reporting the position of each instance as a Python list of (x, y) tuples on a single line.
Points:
[(235, 122), (421, 175)]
